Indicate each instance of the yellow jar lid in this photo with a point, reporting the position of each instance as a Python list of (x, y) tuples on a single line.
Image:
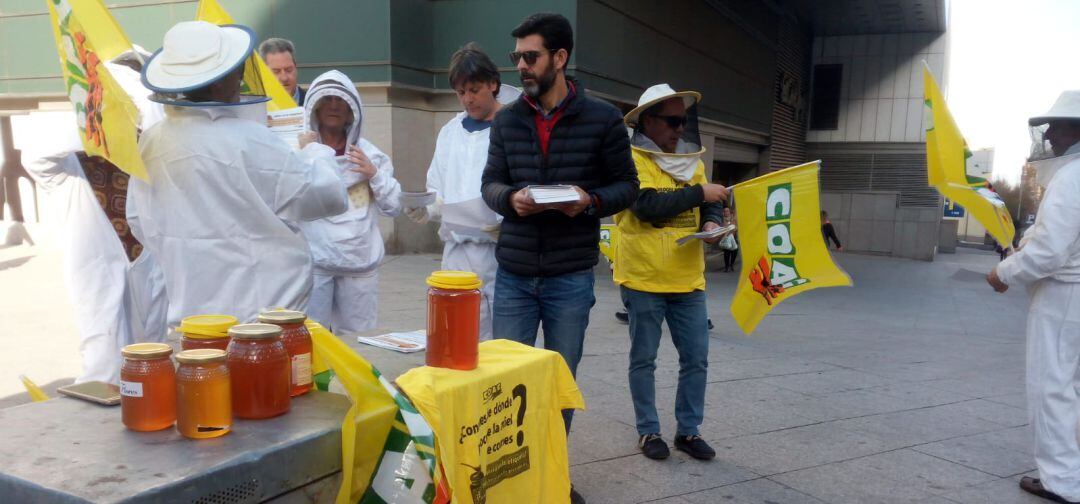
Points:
[(200, 356), (454, 280), (207, 326), (282, 317), (146, 351), (254, 331)]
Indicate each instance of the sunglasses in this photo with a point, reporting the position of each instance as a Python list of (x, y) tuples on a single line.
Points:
[(530, 57), (673, 122)]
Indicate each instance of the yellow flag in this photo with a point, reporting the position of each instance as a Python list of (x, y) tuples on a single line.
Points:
[(258, 79), (86, 36), (783, 250), (947, 155)]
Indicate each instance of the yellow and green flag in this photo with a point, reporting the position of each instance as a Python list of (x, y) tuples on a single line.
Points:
[(86, 36), (947, 155), (258, 79), (784, 253)]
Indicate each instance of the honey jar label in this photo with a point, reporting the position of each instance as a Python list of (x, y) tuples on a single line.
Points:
[(301, 369), (131, 389)]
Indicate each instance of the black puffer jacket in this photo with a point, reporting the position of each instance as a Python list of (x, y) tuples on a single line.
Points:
[(589, 148)]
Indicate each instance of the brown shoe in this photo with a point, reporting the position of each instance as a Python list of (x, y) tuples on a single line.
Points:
[(1034, 487)]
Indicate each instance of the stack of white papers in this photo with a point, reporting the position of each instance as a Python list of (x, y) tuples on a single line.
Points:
[(705, 235), (404, 342), (549, 194)]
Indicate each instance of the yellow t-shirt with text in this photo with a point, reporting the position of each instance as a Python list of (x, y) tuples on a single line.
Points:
[(499, 432)]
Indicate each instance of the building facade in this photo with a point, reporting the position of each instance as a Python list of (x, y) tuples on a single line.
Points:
[(783, 82)]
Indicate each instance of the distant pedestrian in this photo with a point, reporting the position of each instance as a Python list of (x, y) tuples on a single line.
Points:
[(829, 232)]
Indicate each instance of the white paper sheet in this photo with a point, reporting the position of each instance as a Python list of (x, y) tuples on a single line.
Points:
[(287, 124)]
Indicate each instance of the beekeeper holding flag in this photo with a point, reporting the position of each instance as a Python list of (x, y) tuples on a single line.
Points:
[(469, 228), (1048, 263), (224, 195)]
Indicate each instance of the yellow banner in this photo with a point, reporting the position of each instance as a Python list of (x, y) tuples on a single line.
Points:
[(947, 155), (784, 254), (86, 36), (258, 79)]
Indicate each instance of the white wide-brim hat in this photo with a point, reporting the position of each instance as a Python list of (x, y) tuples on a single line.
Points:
[(1066, 107), (195, 54), (657, 94)]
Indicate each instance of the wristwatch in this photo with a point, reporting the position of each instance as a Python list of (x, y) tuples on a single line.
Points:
[(592, 209)]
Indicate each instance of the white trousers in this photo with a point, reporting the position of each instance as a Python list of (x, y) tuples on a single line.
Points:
[(478, 258), (345, 304), (1053, 360)]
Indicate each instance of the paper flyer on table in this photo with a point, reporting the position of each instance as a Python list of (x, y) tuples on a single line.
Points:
[(287, 124), (704, 235), (404, 342)]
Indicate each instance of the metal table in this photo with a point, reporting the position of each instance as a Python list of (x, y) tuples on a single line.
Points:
[(68, 450)]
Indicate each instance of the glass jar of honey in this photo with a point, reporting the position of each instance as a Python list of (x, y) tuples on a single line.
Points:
[(297, 341), (259, 371), (206, 331), (147, 387), (203, 394), (453, 319)]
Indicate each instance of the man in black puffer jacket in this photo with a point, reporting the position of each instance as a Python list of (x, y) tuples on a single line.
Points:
[(553, 134)]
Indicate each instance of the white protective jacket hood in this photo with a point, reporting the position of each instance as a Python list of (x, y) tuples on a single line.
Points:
[(681, 164), (350, 243)]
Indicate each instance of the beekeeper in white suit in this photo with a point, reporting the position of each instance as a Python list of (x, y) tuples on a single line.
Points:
[(454, 175), (347, 248), (224, 195), (1048, 263), (95, 264)]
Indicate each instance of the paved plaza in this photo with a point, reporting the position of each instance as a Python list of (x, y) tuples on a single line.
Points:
[(907, 387)]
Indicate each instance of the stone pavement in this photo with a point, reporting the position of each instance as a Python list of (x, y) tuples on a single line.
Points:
[(906, 388)]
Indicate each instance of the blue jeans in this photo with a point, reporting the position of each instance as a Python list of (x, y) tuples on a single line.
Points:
[(687, 320), (559, 304)]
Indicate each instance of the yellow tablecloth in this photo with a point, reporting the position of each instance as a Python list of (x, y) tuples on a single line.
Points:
[(499, 432)]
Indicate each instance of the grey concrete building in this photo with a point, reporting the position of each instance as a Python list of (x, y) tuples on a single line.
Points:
[(784, 81)]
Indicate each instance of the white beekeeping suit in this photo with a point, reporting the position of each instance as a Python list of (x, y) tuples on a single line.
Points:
[(1048, 263), (347, 248), (224, 195), (454, 175), (96, 268)]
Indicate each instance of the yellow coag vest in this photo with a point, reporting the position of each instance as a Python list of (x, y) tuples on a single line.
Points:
[(646, 255)]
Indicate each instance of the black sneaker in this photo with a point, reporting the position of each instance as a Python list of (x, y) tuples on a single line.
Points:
[(622, 317), (695, 447), (575, 497), (710, 324), (653, 446)]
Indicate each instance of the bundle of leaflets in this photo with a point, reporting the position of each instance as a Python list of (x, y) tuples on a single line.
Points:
[(705, 235), (550, 194)]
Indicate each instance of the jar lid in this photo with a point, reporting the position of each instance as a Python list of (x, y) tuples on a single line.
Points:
[(282, 317), (207, 326), (200, 356), (454, 280), (146, 351), (254, 331)]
